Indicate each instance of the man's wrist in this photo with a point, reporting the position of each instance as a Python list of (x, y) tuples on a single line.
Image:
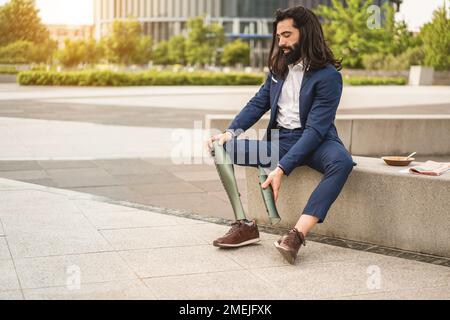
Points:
[(279, 170), (233, 134)]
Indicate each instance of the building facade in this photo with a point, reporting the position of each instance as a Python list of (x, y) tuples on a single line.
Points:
[(250, 20), (61, 32)]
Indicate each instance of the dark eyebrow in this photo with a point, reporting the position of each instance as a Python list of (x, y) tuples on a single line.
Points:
[(284, 33)]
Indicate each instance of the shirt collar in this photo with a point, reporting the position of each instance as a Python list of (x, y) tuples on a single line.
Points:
[(298, 66)]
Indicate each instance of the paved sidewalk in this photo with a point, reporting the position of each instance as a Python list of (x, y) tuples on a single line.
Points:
[(62, 244), (224, 98)]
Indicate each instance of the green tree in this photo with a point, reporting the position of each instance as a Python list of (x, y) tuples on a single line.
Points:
[(236, 52), (177, 50), (19, 21), (203, 41), (160, 54), (346, 29), (93, 51), (126, 45), (352, 37), (21, 52), (394, 36), (436, 40), (73, 53), (143, 51)]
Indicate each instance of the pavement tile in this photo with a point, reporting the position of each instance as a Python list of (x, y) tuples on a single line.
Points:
[(70, 270), (211, 175), (169, 166), (4, 251), (66, 164), (399, 274), (155, 178), (57, 238), (228, 285), (92, 206), (81, 177), (19, 165), (178, 261), (433, 293), (127, 167), (24, 175), (198, 202), (122, 193), (117, 290), (11, 295), (178, 187), (38, 202), (47, 182), (154, 237), (216, 185), (134, 219), (8, 277), (341, 278)]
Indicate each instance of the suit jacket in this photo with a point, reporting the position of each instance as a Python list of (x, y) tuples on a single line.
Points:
[(320, 94)]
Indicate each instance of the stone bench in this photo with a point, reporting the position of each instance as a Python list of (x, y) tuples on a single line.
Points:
[(377, 205), (375, 135)]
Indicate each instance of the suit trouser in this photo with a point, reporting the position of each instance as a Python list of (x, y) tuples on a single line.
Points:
[(330, 158)]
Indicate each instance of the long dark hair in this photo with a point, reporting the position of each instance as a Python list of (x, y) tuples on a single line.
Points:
[(314, 50)]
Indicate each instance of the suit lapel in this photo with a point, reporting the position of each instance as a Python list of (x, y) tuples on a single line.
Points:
[(276, 96), (306, 77)]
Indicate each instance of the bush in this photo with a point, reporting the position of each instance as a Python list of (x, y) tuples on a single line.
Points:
[(370, 81), (8, 70), (22, 52), (148, 78), (236, 52), (403, 61)]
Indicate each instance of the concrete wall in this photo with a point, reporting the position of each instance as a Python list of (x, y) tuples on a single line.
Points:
[(377, 205), (375, 135)]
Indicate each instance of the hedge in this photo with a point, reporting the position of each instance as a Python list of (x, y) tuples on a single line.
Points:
[(148, 78), (167, 78), (370, 81), (8, 70)]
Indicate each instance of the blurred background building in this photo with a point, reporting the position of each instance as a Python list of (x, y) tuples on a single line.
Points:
[(250, 20), (61, 32)]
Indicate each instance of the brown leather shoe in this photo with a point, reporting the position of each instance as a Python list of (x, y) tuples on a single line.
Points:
[(241, 234), (289, 244)]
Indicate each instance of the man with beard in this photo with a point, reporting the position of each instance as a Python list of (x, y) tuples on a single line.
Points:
[(302, 92)]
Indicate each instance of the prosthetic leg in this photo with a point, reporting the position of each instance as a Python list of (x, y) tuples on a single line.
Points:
[(267, 195), (225, 168)]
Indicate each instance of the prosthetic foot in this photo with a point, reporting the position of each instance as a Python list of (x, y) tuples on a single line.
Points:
[(225, 168), (268, 198)]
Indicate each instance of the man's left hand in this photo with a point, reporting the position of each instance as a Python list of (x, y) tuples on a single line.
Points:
[(274, 179)]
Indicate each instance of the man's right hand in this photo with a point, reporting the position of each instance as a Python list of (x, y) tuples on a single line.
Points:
[(222, 138)]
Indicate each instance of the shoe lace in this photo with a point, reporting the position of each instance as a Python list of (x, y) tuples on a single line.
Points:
[(234, 227), (293, 237)]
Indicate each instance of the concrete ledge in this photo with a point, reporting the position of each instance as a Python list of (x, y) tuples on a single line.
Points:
[(377, 205), (374, 135)]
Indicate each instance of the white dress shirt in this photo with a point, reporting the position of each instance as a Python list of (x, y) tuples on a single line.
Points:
[(288, 104)]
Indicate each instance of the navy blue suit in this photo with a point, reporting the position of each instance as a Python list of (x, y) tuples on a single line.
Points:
[(316, 144)]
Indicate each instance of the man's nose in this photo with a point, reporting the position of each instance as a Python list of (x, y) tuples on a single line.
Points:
[(282, 43)]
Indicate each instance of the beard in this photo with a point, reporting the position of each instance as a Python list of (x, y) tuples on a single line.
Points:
[(293, 55)]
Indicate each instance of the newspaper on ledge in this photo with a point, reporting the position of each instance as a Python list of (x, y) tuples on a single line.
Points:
[(431, 168)]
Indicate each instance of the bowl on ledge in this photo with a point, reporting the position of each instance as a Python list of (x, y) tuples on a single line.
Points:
[(397, 161)]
